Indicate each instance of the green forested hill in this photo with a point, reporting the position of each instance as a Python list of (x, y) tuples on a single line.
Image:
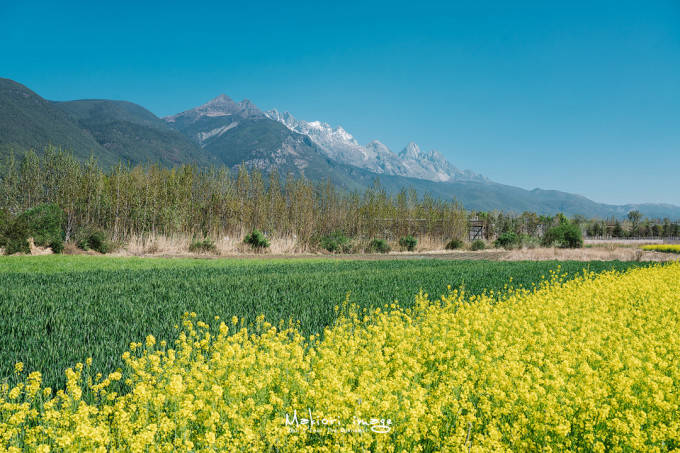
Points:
[(112, 131), (133, 133), (28, 121)]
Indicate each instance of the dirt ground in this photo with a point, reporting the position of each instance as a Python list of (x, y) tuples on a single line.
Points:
[(588, 254), (538, 254)]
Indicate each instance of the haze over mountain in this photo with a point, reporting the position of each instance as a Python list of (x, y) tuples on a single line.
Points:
[(225, 132)]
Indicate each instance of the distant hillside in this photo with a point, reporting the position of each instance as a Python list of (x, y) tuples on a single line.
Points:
[(132, 133), (488, 196), (28, 121)]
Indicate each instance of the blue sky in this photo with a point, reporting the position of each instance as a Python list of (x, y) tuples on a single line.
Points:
[(582, 97)]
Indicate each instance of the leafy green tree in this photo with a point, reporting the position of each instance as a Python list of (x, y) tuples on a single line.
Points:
[(564, 235), (9, 186), (634, 217), (30, 187)]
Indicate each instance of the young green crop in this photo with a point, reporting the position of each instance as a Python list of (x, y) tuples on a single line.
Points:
[(58, 310)]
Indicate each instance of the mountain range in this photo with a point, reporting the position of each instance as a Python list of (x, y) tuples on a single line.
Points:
[(341, 146), (225, 132)]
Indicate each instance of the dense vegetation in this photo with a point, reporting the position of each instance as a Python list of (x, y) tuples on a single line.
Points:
[(589, 364), (58, 310)]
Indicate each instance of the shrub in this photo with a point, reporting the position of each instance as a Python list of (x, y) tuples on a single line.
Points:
[(98, 243), (57, 245), (83, 244), (507, 240), (95, 240), (477, 244), (257, 240), (529, 242), (408, 242), (379, 246), (45, 223), (336, 242), (204, 246), (16, 237), (454, 244), (564, 236)]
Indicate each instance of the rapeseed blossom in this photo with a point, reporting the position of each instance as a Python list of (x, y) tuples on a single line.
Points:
[(589, 364), (667, 248)]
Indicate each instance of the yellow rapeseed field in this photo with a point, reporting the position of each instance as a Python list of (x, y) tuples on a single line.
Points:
[(667, 248), (589, 364)]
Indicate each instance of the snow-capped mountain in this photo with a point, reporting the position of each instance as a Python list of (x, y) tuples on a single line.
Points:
[(341, 146), (213, 126), (235, 133), (337, 143), (433, 165)]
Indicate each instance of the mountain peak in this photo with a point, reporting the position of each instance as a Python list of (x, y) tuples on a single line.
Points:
[(338, 144), (412, 151), (221, 99), (435, 155), (378, 147), (249, 109), (282, 117), (222, 105)]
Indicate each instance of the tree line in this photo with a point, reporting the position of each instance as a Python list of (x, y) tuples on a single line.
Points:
[(210, 202), (635, 225), (153, 200)]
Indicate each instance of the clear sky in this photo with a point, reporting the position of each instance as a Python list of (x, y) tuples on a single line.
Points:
[(582, 97)]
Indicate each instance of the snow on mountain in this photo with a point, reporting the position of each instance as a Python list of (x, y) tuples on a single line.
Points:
[(337, 143), (341, 146)]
